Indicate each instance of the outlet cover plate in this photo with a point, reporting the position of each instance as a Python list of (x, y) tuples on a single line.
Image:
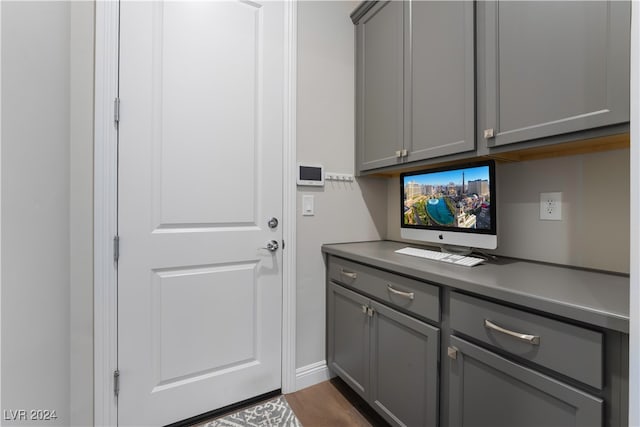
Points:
[(551, 206), (307, 205)]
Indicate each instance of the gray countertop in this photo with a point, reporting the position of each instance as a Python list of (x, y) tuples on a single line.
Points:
[(596, 298)]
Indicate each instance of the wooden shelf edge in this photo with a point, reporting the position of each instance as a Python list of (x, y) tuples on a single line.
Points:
[(586, 146)]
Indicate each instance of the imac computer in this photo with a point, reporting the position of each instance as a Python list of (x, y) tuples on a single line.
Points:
[(453, 207)]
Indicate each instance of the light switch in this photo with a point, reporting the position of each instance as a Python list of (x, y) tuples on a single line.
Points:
[(307, 205)]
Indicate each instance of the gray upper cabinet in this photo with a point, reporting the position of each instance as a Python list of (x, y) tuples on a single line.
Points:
[(380, 125), (551, 68), (415, 82), (439, 79)]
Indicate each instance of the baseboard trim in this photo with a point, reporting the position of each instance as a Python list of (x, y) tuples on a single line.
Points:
[(312, 374)]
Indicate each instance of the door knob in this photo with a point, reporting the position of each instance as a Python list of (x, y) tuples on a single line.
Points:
[(272, 246)]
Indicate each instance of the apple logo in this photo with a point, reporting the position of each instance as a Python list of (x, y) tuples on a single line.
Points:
[(441, 237)]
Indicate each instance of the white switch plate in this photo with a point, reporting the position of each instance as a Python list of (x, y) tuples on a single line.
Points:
[(551, 206), (307, 205)]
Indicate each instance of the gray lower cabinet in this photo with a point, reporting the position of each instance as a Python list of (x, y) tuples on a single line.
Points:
[(388, 357), (404, 368), (348, 337), (550, 68), (489, 390), (483, 362)]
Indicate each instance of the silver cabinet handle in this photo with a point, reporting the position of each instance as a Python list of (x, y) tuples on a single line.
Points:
[(531, 339), (348, 274), (409, 295)]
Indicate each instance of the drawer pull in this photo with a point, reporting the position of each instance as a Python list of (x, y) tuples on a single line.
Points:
[(409, 295), (348, 274), (532, 339)]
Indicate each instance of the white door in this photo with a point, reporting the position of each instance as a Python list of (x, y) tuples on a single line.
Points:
[(200, 175)]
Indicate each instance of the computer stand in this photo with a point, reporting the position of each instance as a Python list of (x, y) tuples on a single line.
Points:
[(456, 250)]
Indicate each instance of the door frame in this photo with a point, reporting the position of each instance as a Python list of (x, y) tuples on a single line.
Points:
[(107, 29)]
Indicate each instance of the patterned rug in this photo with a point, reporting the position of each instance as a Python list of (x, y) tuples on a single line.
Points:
[(272, 413)]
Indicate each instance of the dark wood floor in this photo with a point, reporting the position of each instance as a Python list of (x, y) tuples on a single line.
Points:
[(328, 404), (332, 404)]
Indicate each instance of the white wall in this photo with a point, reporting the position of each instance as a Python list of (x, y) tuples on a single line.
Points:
[(81, 212), (325, 134), (35, 368), (594, 230), (1, 210), (634, 330), (46, 184)]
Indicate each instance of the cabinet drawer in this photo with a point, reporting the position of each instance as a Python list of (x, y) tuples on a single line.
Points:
[(570, 350), (413, 296)]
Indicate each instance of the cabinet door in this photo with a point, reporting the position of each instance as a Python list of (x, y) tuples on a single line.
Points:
[(404, 368), (379, 89), (348, 337), (550, 68), (439, 78), (488, 390)]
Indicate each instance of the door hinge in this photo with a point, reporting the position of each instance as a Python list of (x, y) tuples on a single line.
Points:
[(116, 111), (116, 382), (116, 248)]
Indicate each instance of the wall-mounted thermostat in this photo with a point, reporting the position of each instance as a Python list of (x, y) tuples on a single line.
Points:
[(310, 175)]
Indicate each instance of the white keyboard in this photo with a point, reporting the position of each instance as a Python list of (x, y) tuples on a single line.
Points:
[(441, 256)]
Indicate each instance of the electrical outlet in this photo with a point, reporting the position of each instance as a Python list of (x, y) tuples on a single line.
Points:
[(551, 206)]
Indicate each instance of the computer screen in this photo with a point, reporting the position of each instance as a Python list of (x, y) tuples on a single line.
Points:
[(452, 205)]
